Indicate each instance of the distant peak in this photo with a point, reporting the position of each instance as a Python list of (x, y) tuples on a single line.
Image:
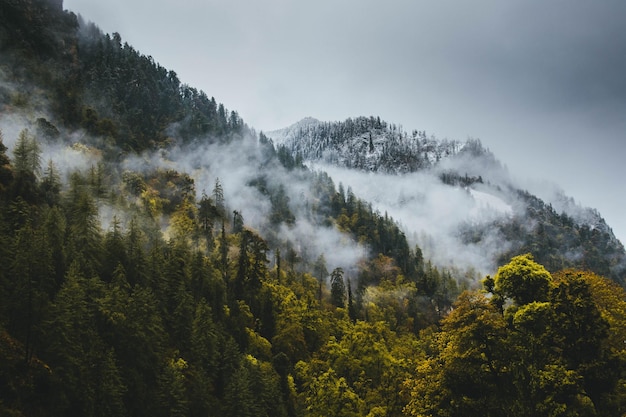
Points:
[(280, 136), (307, 121)]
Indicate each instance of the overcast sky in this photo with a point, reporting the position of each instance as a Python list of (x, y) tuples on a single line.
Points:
[(541, 83)]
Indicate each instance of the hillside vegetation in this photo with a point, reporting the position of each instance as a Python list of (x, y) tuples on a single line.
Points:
[(161, 258)]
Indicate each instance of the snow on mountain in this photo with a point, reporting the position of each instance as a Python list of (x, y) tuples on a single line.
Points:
[(453, 199), (486, 202), (365, 143), (282, 136)]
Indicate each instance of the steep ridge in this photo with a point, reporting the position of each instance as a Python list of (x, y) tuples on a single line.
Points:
[(403, 173)]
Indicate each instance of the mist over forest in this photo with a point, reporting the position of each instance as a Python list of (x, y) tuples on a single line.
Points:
[(161, 257)]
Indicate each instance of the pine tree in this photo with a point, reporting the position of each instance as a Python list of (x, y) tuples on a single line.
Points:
[(337, 288), (135, 243), (223, 260), (206, 215), (115, 250), (26, 167), (6, 171), (32, 273), (351, 307), (74, 345), (218, 198), (27, 155), (237, 222), (54, 226), (85, 241), (321, 272), (51, 184)]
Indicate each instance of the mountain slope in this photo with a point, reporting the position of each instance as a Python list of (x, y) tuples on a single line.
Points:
[(83, 79), (161, 259), (416, 179), (365, 143)]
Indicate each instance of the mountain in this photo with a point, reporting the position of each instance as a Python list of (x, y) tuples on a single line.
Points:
[(161, 258), (494, 217), (365, 143)]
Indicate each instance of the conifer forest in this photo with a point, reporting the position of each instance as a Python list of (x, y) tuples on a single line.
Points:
[(160, 257)]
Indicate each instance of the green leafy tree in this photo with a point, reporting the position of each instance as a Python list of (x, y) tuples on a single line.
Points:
[(330, 394), (290, 334), (467, 374), (523, 280), (184, 219), (546, 353)]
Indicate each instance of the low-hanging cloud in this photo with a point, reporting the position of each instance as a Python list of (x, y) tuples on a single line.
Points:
[(237, 166), (68, 152), (432, 213)]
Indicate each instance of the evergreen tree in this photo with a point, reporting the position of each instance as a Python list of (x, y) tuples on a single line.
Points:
[(218, 198), (320, 271), (280, 208), (351, 307), (84, 243), (6, 171), (207, 213), (27, 155), (237, 222), (223, 258), (32, 273), (337, 288), (75, 347), (51, 185), (26, 167), (115, 250), (54, 226), (135, 244)]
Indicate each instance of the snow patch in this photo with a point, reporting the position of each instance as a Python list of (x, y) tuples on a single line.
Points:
[(282, 136), (489, 204)]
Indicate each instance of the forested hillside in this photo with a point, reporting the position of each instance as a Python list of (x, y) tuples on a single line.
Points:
[(559, 233), (161, 258), (366, 143)]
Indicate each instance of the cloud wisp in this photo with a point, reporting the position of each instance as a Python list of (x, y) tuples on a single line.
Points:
[(432, 213)]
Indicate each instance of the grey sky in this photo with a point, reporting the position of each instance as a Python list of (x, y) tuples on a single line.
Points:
[(541, 83)]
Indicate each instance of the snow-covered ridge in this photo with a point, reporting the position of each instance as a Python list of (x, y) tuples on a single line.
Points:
[(369, 144), (284, 135)]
